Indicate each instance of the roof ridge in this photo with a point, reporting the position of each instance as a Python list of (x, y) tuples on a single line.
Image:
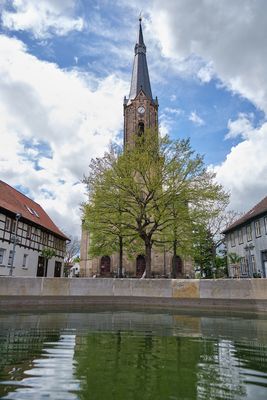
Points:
[(253, 212), (14, 201), (13, 188)]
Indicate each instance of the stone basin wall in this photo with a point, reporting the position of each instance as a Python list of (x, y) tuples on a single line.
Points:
[(246, 294)]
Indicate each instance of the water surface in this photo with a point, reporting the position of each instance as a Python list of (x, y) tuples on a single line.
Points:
[(132, 355)]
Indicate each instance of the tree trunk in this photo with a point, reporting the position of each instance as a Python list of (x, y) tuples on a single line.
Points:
[(174, 259), (148, 259), (121, 256)]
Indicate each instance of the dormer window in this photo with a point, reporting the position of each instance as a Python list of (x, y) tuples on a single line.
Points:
[(32, 211), (36, 214), (29, 209)]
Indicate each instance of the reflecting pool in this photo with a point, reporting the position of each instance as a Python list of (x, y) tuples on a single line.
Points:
[(132, 355)]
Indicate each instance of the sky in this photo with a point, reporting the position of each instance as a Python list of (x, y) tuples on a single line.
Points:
[(65, 67)]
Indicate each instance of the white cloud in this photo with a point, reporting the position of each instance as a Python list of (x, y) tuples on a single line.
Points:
[(167, 119), (206, 73), (196, 119), (229, 36), (174, 111), (244, 171), (240, 127), (74, 113), (42, 17)]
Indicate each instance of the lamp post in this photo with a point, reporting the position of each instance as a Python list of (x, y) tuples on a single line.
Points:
[(18, 215)]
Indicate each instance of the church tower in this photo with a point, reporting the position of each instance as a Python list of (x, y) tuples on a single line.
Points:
[(140, 109), (140, 113)]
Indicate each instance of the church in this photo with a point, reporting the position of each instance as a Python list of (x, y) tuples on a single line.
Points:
[(140, 113)]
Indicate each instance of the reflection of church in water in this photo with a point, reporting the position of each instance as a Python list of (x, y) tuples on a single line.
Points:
[(140, 113)]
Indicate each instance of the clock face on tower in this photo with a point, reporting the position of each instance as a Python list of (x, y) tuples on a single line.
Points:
[(141, 110)]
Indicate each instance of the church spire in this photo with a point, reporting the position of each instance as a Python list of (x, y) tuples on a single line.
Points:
[(140, 76)]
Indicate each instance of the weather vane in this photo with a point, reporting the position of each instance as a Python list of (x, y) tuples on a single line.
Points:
[(140, 16)]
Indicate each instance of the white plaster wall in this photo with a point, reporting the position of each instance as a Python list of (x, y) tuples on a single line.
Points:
[(32, 260), (260, 243)]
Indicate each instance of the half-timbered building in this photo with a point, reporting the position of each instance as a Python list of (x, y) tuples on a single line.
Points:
[(25, 232)]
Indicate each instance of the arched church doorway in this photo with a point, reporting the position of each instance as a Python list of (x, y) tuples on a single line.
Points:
[(105, 266), (140, 265), (177, 267)]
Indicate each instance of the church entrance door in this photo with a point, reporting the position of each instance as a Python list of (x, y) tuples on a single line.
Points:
[(140, 265), (177, 267), (105, 266)]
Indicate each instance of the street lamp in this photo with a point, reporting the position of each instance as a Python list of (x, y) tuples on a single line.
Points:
[(14, 238)]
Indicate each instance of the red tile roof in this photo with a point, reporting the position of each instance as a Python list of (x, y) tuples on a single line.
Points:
[(257, 210), (16, 202)]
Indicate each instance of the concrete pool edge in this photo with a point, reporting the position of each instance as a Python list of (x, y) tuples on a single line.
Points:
[(248, 295), (83, 303)]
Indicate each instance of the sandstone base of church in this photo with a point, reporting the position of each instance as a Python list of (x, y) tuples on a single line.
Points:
[(161, 267)]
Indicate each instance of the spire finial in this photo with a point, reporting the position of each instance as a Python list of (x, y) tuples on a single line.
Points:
[(140, 37)]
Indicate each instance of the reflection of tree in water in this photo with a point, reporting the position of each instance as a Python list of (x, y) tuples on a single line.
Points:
[(252, 355), (133, 366), (129, 366)]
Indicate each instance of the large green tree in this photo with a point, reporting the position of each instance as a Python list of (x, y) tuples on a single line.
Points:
[(104, 213), (154, 191)]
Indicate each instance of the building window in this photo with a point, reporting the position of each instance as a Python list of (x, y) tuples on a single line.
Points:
[(2, 253), (34, 236), (29, 231), (249, 233), (240, 236), (24, 262), (7, 224), (10, 257), (244, 266), (232, 238), (253, 264), (13, 226), (265, 224), (45, 238), (257, 228)]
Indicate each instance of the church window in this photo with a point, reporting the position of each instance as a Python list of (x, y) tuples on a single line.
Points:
[(141, 128)]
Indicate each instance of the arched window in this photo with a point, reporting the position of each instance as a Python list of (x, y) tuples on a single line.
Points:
[(141, 128)]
